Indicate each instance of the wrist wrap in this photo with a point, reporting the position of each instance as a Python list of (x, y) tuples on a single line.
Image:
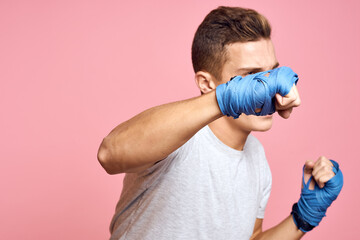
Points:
[(299, 222), (313, 204)]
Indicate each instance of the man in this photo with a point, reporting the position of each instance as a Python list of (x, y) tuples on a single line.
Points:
[(193, 173)]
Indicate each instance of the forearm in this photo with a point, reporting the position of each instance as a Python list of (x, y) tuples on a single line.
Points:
[(155, 133), (286, 230)]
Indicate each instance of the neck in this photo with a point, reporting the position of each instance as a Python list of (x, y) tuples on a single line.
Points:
[(229, 133)]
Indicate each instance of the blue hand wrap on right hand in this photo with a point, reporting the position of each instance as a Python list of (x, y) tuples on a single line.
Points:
[(245, 94), (312, 204)]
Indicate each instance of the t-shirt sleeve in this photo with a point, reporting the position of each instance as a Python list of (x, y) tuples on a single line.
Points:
[(152, 174), (266, 189)]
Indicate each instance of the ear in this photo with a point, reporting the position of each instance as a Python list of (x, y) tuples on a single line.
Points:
[(205, 81)]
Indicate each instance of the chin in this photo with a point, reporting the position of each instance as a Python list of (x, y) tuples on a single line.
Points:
[(255, 123), (262, 124), (261, 128)]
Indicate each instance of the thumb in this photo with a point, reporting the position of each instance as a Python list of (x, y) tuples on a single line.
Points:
[(309, 165), (308, 168)]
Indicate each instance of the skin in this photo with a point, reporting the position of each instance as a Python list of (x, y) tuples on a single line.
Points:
[(321, 170), (130, 147), (243, 59)]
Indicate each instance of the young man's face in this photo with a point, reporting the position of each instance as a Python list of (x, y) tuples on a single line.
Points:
[(247, 58)]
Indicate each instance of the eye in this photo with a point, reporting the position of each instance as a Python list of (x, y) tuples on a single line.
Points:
[(249, 73)]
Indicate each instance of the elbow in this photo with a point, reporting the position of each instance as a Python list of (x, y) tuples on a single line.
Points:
[(105, 159)]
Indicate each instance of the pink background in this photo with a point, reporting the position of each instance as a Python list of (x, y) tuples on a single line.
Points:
[(72, 70)]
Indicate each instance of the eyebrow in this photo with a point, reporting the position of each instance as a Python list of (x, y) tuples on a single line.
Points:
[(257, 68)]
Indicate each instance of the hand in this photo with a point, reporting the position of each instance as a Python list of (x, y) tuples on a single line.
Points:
[(321, 170), (316, 196), (284, 105), (253, 94)]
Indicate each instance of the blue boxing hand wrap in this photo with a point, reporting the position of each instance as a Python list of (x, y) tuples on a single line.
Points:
[(313, 204), (245, 94)]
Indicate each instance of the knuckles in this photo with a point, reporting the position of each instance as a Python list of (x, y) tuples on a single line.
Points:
[(292, 98), (297, 102), (322, 171), (323, 161), (324, 179)]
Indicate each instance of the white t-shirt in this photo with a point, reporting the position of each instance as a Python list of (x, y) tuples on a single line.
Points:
[(203, 190)]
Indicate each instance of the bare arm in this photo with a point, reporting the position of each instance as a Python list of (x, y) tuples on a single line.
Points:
[(153, 134), (286, 230)]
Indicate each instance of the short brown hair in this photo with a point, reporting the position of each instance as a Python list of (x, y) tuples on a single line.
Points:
[(223, 26)]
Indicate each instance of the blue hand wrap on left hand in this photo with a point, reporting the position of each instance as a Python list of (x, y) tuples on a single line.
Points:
[(246, 94), (313, 204)]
